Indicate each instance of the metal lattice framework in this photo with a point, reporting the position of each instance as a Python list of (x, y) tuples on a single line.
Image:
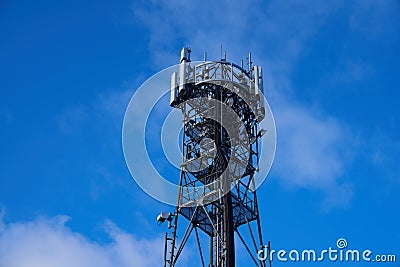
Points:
[(222, 108)]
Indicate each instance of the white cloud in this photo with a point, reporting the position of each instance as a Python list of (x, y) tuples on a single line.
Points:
[(313, 150), (48, 242), (307, 143)]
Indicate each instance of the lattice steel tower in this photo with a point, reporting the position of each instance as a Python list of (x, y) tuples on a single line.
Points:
[(222, 106)]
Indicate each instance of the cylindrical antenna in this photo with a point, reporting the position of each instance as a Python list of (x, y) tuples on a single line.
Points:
[(205, 56), (249, 62)]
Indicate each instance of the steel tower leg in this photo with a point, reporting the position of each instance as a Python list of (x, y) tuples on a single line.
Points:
[(229, 231)]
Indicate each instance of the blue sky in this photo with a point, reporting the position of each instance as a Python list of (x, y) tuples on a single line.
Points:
[(69, 68)]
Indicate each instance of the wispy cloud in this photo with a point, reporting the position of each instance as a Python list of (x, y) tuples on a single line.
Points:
[(71, 120), (275, 31), (382, 19), (347, 73), (47, 242), (384, 154), (308, 142), (2, 213), (108, 107), (5, 116), (313, 150), (103, 114)]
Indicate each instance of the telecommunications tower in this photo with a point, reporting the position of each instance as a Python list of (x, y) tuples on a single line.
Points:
[(222, 106)]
